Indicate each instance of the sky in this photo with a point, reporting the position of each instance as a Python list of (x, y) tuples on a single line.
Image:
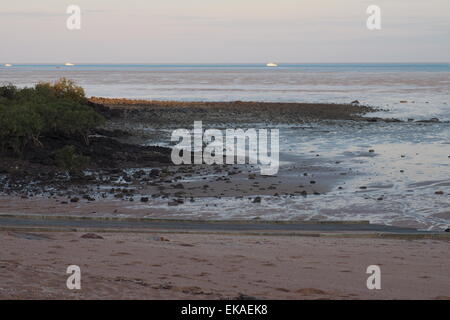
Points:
[(224, 31)]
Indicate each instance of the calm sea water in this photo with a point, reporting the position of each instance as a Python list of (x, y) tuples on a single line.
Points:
[(425, 87), (410, 163)]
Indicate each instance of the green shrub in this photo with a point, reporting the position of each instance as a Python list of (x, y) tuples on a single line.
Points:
[(28, 114), (67, 158), (19, 125), (62, 89), (8, 92)]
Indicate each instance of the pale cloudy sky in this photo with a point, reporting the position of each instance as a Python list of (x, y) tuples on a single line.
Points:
[(208, 31)]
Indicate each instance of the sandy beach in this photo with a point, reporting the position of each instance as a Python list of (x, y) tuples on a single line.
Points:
[(180, 266)]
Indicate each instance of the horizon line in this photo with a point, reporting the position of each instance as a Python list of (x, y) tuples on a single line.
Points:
[(221, 63)]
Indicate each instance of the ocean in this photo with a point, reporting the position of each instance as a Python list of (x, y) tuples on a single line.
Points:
[(424, 87)]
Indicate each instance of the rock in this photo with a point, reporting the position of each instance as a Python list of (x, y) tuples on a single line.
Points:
[(242, 296), (175, 202), (355, 102), (392, 120), (144, 199), (88, 198), (447, 230), (91, 236), (439, 192), (257, 200), (312, 182), (179, 194), (75, 199), (252, 176), (432, 120), (155, 173)]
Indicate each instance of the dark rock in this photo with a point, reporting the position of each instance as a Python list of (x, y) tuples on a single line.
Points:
[(432, 120), (257, 200), (242, 296), (155, 173), (175, 202), (91, 236), (88, 198)]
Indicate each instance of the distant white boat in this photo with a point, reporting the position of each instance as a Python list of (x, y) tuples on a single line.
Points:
[(8, 65), (272, 64), (68, 64)]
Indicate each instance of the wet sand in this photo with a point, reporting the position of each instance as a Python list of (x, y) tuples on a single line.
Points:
[(183, 187), (193, 266)]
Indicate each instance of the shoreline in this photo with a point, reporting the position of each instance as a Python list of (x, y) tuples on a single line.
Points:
[(135, 185), (117, 154), (246, 112)]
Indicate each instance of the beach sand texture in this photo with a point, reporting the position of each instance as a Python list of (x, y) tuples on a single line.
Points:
[(182, 266)]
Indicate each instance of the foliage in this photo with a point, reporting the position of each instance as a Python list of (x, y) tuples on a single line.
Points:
[(47, 109)]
